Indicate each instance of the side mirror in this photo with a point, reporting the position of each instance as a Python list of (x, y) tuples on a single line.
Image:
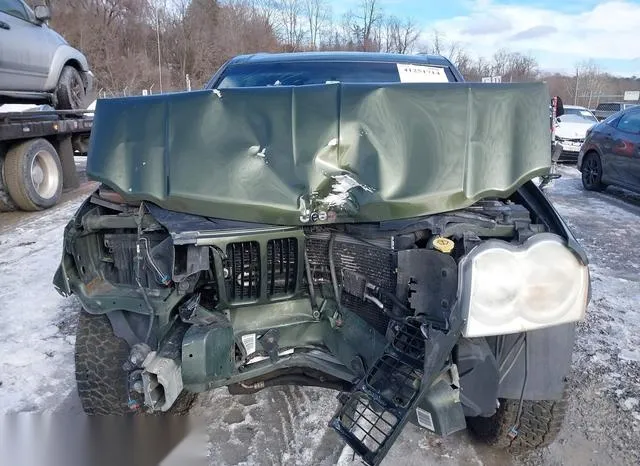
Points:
[(43, 13), (559, 120)]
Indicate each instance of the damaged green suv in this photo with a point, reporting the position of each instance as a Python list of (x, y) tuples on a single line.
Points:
[(367, 223)]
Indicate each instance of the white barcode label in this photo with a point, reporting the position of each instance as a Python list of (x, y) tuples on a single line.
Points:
[(421, 74), (425, 419), (249, 343)]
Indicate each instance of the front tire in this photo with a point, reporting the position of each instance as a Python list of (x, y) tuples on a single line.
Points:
[(592, 172), (538, 427), (70, 92), (101, 381)]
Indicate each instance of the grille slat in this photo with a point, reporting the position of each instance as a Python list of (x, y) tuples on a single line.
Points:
[(244, 269), (243, 281), (286, 277), (282, 268)]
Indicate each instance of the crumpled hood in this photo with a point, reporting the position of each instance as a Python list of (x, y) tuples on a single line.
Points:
[(322, 154), (573, 129)]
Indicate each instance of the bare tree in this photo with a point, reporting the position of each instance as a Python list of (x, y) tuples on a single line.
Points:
[(589, 82), (291, 22), (437, 42), (121, 38), (400, 35), (522, 68), (366, 18), (318, 16), (500, 63)]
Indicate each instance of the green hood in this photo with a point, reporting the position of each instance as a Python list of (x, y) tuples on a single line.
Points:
[(329, 153)]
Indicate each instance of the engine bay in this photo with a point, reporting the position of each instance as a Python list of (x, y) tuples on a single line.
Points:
[(252, 279)]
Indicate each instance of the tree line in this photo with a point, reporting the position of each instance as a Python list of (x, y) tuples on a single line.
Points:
[(163, 45)]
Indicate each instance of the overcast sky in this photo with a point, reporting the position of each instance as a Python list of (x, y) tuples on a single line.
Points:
[(559, 33)]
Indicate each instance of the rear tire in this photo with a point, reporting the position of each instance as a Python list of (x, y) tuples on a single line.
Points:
[(101, 381), (33, 174), (592, 172), (70, 92), (539, 425)]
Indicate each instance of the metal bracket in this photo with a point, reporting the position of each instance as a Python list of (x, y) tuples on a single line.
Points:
[(269, 342)]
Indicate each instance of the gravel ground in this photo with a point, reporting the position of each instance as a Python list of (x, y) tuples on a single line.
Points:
[(288, 425)]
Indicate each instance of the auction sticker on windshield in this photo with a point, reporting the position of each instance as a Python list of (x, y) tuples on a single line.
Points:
[(421, 74)]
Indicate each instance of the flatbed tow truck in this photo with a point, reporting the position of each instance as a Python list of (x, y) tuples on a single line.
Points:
[(37, 151)]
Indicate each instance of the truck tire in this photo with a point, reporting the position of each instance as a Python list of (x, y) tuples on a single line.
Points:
[(6, 203), (101, 381), (540, 423), (70, 92), (33, 174)]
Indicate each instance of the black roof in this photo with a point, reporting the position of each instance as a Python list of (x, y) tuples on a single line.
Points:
[(341, 56)]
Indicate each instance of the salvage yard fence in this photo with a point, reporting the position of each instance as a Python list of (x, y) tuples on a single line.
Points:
[(592, 100)]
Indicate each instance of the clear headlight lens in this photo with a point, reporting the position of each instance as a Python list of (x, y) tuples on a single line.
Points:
[(536, 285)]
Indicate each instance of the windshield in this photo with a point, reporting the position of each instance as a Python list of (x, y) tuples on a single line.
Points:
[(578, 115), (301, 73)]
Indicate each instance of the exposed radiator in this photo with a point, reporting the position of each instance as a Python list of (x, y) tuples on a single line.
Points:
[(374, 261)]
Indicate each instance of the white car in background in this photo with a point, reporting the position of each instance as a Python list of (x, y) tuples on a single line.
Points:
[(571, 130)]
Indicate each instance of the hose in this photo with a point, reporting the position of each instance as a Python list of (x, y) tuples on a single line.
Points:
[(152, 310), (516, 424), (292, 379), (164, 280), (332, 269), (312, 291), (518, 345), (395, 300)]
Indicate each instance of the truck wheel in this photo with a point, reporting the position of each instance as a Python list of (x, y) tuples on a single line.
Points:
[(6, 203), (539, 425), (101, 381), (33, 174), (70, 92)]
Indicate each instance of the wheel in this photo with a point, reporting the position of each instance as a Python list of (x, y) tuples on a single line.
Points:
[(70, 92), (101, 381), (540, 422), (33, 174), (6, 203), (592, 172)]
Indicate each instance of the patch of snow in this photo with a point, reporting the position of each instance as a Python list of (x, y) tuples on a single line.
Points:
[(36, 357), (14, 108), (629, 403)]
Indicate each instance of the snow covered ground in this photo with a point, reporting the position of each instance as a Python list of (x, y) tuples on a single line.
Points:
[(288, 425)]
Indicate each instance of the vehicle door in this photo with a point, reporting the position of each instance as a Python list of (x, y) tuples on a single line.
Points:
[(625, 149), (26, 48)]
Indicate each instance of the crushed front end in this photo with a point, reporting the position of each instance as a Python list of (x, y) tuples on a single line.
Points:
[(423, 280), (387, 313)]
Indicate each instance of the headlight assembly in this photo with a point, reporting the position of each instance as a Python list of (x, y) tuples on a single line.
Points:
[(512, 289)]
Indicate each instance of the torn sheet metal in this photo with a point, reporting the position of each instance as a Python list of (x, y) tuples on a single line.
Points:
[(321, 154)]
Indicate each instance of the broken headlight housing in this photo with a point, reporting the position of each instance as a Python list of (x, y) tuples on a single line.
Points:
[(511, 289)]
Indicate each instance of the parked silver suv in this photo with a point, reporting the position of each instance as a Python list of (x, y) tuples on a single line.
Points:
[(36, 63)]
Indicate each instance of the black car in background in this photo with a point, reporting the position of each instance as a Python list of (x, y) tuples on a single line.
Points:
[(610, 154)]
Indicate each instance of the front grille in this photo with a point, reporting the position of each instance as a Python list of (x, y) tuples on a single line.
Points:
[(282, 266), (243, 271)]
